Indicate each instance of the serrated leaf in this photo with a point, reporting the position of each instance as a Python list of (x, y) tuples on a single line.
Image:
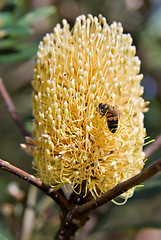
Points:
[(33, 16)]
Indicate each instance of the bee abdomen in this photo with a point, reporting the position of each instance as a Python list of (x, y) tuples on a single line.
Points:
[(112, 125)]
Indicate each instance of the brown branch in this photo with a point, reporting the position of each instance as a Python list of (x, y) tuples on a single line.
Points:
[(11, 109), (77, 216), (57, 195), (153, 147), (120, 188)]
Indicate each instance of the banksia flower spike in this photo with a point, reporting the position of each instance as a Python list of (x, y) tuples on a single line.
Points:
[(75, 72)]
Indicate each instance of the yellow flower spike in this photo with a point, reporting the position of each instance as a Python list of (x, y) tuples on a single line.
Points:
[(75, 71)]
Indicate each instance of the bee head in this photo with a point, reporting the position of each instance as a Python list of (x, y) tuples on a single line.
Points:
[(102, 108), (99, 107)]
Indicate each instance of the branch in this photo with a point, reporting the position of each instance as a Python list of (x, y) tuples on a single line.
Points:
[(120, 188), (57, 195), (153, 147), (77, 216), (11, 109)]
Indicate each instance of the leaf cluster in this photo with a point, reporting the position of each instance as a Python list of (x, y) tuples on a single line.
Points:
[(16, 30)]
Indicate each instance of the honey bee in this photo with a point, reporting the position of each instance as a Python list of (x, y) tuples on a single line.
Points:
[(112, 115)]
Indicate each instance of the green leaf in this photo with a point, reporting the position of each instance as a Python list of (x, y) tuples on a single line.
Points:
[(2, 237), (5, 18), (15, 30), (5, 233), (40, 13), (22, 53), (8, 43)]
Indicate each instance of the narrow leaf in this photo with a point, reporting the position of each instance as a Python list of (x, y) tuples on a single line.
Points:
[(40, 13)]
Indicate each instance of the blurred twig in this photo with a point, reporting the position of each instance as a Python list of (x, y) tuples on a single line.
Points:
[(28, 222), (153, 147), (11, 109), (26, 228), (57, 195)]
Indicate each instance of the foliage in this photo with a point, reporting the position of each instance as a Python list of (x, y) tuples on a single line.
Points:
[(16, 30)]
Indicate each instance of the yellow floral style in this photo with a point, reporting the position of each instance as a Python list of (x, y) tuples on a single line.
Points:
[(75, 71)]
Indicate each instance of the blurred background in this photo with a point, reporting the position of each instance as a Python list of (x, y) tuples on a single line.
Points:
[(26, 213)]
